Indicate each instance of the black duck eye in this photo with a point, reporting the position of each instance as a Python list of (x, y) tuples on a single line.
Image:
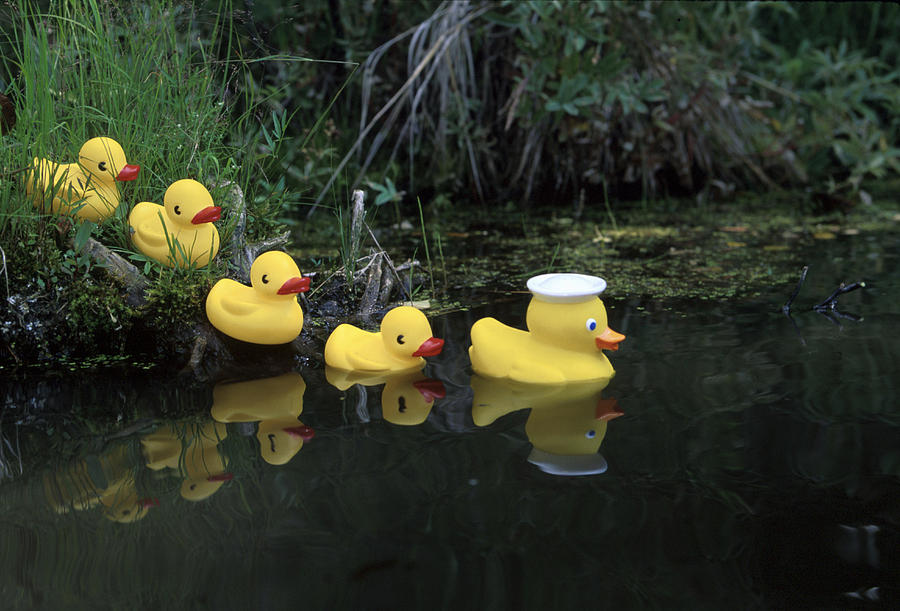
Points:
[(102, 166), (177, 209), (401, 407), (400, 339), (265, 279), (126, 512)]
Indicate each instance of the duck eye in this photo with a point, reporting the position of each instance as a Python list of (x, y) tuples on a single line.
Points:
[(177, 209), (400, 339), (102, 166), (265, 279), (401, 407), (590, 324), (591, 434)]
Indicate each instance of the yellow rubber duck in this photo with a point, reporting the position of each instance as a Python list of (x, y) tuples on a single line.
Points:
[(179, 233), (85, 189), (405, 337), (567, 329), (566, 424), (407, 397), (192, 452), (266, 312), (107, 481), (276, 403)]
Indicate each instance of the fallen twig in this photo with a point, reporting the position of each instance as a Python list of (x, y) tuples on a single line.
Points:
[(786, 308), (828, 307), (831, 301)]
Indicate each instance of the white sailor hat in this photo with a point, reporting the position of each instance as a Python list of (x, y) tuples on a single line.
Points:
[(565, 288), (565, 464)]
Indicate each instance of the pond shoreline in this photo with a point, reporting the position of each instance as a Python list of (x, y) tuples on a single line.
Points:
[(712, 253)]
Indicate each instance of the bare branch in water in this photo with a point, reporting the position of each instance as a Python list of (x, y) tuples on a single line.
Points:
[(831, 301), (786, 308)]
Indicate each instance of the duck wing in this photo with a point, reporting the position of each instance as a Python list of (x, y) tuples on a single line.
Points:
[(146, 220), (361, 363), (239, 307), (531, 371)]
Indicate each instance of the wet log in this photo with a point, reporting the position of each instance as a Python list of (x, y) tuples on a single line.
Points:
[(244, 254), (120, 270)]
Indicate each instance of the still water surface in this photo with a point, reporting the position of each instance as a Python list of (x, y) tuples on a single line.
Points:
[(756, 464)]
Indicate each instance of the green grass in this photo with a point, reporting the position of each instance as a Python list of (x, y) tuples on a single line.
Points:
[(76, 72), (182, 102)]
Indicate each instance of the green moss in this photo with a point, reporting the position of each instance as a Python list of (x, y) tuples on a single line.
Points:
[(718, 252), (176, 301), (97, 311)]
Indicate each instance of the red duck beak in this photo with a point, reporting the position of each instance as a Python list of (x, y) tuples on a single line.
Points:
[(210, 214), (431, 389), (609, 340), (303, 432), (129, 172), (148, 502), (430, 347), (221, 477), (294, 285), (607, 409)]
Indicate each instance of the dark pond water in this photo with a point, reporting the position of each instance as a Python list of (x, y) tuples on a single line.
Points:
[(756, 465)]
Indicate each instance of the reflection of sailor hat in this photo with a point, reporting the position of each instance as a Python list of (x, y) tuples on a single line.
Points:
[(567, 464), (565, 288)]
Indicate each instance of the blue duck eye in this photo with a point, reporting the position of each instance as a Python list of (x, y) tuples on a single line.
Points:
[(591, 434), (590, 324)]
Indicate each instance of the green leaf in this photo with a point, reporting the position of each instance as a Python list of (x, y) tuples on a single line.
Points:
[(82, 235)]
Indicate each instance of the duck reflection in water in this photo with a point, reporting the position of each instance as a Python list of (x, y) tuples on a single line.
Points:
[(190, 449), (406, 399), (275, 403), (566, 425), (106, 481)]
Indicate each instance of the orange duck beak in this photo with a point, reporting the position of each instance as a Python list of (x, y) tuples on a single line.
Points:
[(430, 347), (210, 214), (129, 172), (431, 389), (303, 432), (609, 340), (607, 409), (294, 285)]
